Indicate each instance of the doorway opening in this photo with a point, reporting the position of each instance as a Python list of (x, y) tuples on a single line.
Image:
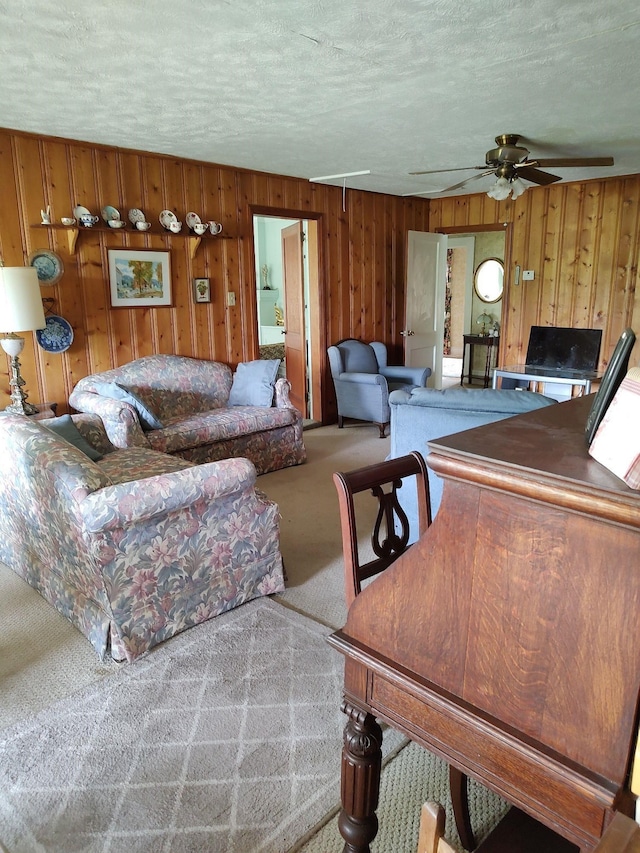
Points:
[(287, 296), (466, 313)]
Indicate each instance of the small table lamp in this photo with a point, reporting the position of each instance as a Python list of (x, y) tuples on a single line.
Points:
[(484, 320), (20, 311)]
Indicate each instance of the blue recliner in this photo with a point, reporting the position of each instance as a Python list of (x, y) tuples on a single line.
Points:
[(363, 381)]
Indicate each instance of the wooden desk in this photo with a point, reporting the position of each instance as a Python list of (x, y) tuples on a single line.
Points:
[(470, 342), (506, 639)]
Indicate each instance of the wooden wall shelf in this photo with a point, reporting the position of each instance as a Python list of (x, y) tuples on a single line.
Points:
[(74, 230)]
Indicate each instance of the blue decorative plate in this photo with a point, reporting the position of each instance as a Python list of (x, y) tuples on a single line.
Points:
[(48, 266), (57, 336)]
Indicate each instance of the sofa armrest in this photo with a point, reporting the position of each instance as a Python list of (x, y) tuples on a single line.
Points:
[(120, 419), (137, 501), (408, 375)]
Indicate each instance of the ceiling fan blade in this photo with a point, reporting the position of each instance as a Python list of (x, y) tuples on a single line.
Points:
[(536, 176), (437, 171), (468, 181), (568, 162)]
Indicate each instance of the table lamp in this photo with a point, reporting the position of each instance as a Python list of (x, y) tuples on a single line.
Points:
[(484, 320), (20, 311)]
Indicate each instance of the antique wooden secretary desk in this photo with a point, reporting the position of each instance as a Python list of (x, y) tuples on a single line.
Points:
[(506, 639)]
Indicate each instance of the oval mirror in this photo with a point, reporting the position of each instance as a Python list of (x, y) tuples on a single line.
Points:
[(488, 280)]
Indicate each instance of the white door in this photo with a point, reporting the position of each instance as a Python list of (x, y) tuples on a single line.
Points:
[(424, 307)]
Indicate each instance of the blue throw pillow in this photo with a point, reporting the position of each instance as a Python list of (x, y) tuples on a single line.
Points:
[(253, 382), (65, 428), (118, 392)]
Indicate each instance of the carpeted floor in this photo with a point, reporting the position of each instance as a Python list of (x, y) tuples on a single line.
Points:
[(223, 740), (44, 659)]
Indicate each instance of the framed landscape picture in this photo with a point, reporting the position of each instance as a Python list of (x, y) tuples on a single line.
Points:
[(139, 278)]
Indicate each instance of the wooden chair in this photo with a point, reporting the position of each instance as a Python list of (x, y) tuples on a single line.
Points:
[(622, 836), (432, 829), (389, 548), (389, 540)]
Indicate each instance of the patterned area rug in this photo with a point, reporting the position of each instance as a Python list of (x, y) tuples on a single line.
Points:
[(226, 738)]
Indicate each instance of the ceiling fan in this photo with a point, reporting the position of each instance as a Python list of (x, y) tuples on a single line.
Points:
[(510, 161)]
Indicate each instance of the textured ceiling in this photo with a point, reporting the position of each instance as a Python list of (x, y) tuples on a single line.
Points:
[(323, 87)]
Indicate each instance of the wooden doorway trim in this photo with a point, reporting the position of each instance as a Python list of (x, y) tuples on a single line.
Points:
[(319, 377)]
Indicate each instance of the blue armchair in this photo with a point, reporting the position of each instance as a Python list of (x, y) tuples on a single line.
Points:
[(363, 381)]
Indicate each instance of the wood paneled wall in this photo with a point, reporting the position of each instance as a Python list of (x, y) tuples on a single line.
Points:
[(581, 239), (361, 256)]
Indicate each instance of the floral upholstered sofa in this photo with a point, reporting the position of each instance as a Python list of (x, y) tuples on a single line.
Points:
[(135, 546), (197, 409)]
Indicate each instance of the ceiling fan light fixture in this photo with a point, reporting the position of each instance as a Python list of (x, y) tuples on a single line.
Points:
[(518, 186), (500, 190), (503, 188)]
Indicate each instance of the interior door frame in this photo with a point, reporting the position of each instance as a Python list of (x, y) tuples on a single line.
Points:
[(507, 228), (317, 297)]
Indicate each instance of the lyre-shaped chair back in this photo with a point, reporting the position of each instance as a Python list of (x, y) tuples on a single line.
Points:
[(390, 535)]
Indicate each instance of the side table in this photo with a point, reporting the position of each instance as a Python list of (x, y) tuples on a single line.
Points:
[(471, 341), (45, 410)]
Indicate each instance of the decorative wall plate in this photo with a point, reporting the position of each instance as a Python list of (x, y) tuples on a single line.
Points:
[(167, 217), (136, 215), (79, 211), (191, 219), (109, 213), (48, 266), (57, 336)]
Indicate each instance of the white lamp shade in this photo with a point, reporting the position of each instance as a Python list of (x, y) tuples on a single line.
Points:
[(20, 300)]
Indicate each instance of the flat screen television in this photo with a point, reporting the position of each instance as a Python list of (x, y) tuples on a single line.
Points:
[(557, 348)]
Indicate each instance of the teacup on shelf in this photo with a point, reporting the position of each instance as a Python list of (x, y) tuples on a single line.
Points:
[(68, 220), (215, 227), (175, 227), (88, 220), (200, 228), (116, 223), (143, 226)]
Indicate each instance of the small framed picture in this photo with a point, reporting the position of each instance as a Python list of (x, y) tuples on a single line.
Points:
[(139, 278), (201, 290)]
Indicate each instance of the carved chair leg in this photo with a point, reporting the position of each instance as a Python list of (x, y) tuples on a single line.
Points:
[(460, 800), (360, 785)]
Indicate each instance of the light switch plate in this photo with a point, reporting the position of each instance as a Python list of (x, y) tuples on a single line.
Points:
[(528, 275), (231, 298)]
